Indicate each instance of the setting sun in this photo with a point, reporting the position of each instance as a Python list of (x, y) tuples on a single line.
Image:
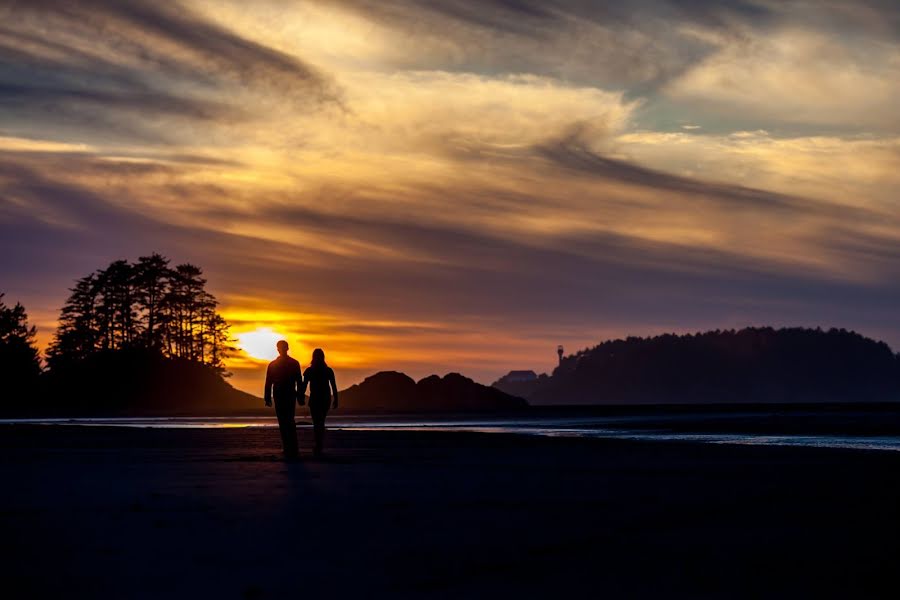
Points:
[(260, 343)]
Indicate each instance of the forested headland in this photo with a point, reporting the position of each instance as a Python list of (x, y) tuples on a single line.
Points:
[(141, 335), (751, 365)]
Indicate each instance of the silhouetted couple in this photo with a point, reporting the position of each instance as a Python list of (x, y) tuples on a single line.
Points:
[(288, 383)]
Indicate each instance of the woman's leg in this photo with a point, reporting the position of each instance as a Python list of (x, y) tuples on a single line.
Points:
[(318, 410)]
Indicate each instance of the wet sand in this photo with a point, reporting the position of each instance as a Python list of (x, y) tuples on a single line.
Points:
[(96, 512)]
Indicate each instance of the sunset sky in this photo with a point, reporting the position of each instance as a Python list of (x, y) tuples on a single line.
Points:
[(460, 186)]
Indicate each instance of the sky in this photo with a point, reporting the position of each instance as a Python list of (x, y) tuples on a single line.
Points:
[(460, 185)]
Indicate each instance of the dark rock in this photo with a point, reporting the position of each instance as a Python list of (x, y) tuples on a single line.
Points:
[(390, 391)]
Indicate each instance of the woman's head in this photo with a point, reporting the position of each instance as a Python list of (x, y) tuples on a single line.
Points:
[(318, 357)]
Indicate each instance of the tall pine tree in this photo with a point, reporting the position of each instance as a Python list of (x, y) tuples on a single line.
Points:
[(20, 363)]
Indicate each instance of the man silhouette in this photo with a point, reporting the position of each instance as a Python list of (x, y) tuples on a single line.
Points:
[(285, 378)]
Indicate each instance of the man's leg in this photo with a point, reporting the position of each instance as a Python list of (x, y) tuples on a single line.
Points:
[(287, 427)]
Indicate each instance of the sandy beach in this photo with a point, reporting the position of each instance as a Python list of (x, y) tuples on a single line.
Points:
[(101, 512)]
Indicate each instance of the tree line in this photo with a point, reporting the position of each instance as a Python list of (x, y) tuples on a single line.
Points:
[(755, 364), (146, 305), (20, 363)]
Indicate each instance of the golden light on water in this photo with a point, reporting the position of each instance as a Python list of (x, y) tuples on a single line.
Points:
[(260, 343)]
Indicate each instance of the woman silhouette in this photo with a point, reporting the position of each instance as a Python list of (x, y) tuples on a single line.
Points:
[(320, 379)]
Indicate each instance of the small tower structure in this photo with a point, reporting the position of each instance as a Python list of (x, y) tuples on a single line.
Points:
[(559, 352)]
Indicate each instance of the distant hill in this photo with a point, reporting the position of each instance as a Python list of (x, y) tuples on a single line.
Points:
[(749, 365), (139, 381), (390, 391)]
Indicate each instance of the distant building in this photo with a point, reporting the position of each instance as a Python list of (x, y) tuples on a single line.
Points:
[(519, 377), (518, 383)]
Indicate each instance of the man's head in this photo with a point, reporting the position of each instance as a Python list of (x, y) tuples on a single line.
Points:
[(282, 347)]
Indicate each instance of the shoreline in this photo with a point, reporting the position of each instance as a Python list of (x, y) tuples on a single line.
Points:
[(837, 428), (687, 408)]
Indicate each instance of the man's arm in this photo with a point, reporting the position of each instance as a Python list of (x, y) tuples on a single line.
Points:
[(300, 386), (303, 386), (333, 389), (267, 395)]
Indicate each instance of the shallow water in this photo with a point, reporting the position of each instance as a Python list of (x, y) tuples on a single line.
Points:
[(627, 427)]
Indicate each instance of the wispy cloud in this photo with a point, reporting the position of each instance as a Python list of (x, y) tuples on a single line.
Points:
[(136, 70)]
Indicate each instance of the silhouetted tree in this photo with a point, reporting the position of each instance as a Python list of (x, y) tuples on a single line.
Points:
[(185, 305), (218, 341), (151, 283), (115, 285), (20, 363), (79, 330), (146, 306)]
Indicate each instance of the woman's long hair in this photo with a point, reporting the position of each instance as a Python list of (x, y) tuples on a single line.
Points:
[(318, 358)]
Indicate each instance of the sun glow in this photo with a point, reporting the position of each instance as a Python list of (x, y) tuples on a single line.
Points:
[(260, 343)]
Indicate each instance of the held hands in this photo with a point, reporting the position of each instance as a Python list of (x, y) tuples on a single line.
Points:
[(301, 399), (334, 404), (269, 402)]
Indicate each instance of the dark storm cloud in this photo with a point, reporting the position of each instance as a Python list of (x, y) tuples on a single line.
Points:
[(94, 62)]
